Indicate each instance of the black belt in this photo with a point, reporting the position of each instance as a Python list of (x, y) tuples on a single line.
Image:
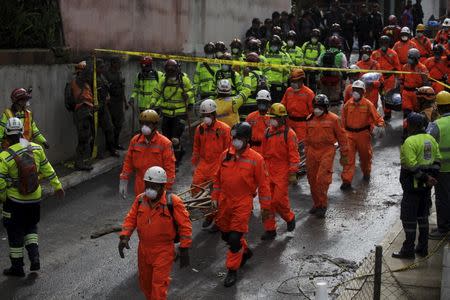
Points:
[(298, 119), (256, 143), (357, 129), (409, 89)]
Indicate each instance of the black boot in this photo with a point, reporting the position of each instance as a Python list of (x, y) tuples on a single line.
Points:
[(269, 235), (207, 222), (33, 255), (231, 278), (403, 255), (321, 212), (345, 186), (313, 210), (16, 268), (291, 225), (247, 255)]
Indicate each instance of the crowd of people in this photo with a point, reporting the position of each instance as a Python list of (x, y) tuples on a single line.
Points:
[(260, 129)]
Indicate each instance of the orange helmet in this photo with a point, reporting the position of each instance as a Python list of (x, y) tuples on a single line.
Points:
[(297, 74), (426, 93)]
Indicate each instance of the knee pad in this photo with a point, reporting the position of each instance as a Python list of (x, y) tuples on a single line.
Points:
[(234, 241)]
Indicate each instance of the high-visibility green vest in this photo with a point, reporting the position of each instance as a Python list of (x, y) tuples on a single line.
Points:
[(443, 124), (311, 53), (144, 88), (169, 96), (276, 75), (9, 174), (250, 85), (296, 55), (204, 82)]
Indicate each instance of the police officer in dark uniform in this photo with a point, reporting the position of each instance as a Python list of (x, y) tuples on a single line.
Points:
[(117, 100)]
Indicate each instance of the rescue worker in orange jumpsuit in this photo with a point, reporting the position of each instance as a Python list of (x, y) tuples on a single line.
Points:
[(442, 36), (402, 47), (422, 42), (438, 68), (259, 120), (242, 171), (161, 219), (212, 137), (324, 129), (280, 152), (359, 117), (352, 77), (410, 82), (367, 63), (298, 101), (147, 149), (388, 60)]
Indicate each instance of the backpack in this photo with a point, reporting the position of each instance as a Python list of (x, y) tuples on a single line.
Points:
[(261, 83), (69, 99), (169, 204), (328, 61), (28, 174)]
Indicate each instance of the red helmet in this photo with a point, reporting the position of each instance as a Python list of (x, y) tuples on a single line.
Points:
[(392, 20), (20, 94), (334, 41), (252, 57), (146, 61)]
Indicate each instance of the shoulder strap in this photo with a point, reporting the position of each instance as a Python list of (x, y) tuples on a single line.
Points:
[(9, 113), (12, 152), (286, 131), (208, 67)]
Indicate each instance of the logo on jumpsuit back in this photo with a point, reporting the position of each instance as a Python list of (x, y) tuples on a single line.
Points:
[(427, 153)]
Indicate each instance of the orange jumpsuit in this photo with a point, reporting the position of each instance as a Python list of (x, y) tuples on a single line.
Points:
[(388, 61), (348, 92), (409, 83), (259, 125), (322, 134), (143, 154), (358, 119), (235, 184), (156, 250), (402, 49), (209, 144), (438, 70), (372, 91), (299, 106), (441, 37), (280, 152), (424, 46)]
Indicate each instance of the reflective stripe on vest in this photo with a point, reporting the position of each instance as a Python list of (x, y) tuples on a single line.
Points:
[(444, 142)]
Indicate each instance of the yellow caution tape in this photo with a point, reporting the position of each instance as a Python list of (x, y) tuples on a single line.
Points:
[(186, 58), (95, 147)]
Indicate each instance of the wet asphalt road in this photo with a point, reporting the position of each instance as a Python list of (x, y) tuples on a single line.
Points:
[(77, 267)]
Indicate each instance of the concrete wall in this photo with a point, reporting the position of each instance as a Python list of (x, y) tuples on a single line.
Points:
[(159, 26)]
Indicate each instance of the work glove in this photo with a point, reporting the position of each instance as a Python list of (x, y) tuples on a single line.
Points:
[(184, 257), (344, 160), (45, 145), (265, 214), (60, 193), (214, 204), (379, 132), (123, 243), (292, 178), (123, 188), (431, 181)]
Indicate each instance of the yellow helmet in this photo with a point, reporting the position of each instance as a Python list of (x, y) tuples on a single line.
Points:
[(443, 98), (420, 27), (149, 116), (277, 110)]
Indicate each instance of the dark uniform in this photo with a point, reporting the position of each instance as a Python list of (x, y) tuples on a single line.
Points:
[(117, 100)]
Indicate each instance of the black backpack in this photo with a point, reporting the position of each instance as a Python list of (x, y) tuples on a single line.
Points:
[(26, 167), (69, 99), (328, 61), (261, 82)]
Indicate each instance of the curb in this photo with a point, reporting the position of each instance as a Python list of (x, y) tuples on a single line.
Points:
[(75, 178)]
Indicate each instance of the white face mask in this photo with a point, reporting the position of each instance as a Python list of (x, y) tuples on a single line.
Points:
[(290, 43), (219, 54), (146, 130), (365, 57), (356, 96), (235, 50), (419, 34), (151, 193), (274, 48), (295, 85), (238, 144), (314, 40), (404, 38), (273, 123), (318, 111), (226, 67), (207, 120)]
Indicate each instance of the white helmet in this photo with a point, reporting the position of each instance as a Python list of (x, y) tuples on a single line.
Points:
[(446, 22), (224, 86), (359, 84), (264, 95), (405, 30), (156, 175), (414, 53), (208, 106), (14, 126)]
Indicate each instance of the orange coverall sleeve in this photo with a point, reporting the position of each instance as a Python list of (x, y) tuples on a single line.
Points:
[(181, 216), (310, 103), (262, 179), (130, 221), (169, 165), (284, 100), (196, 147), (127, 168), (377, 120), (217, 191), (344, 116), (341, 136), (294, 157)]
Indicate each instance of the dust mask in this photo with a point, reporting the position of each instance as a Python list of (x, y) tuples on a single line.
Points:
[(313, 40), (295, 85), (365, 57), (273, 123), (318, 112), (146, 130), (237, 144), (226, 67), (404, 38), (419, 34), (274, 48), (219, 54), (290, 43), (356, 96), (235, 50), (207, 120), (151, 193)]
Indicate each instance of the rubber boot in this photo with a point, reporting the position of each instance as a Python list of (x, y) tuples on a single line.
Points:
[(16, 268), (247, 255), (231, 278), (33, 255)]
